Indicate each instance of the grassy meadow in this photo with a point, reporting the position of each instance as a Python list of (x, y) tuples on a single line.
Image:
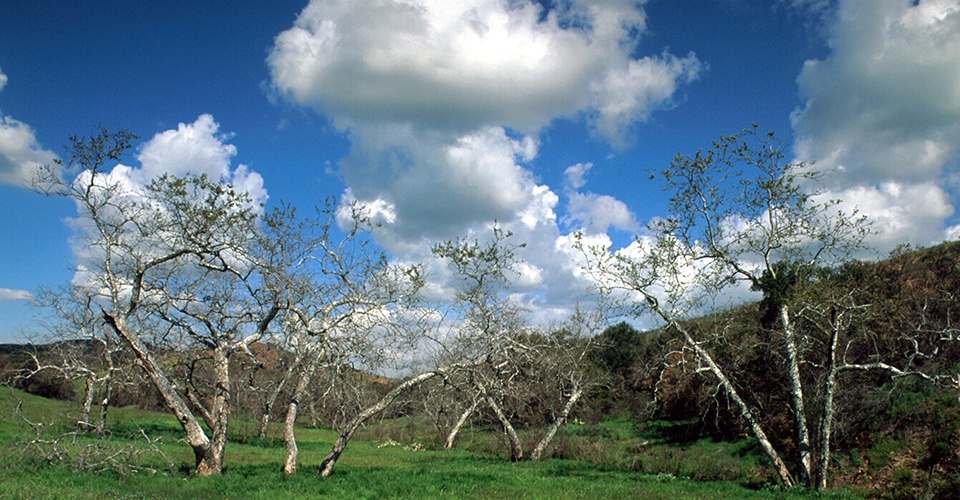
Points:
[(393, 459)]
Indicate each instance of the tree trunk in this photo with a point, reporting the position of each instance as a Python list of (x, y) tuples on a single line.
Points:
[(459, 425), (221, 404), (537, 452), (268, 409), (83, 423), (195, 436), (290, 438), (107, 384), (290, 465), (755, 428), (105, 404), (796, 397), (826, 419), (326, 468), (516, 448)]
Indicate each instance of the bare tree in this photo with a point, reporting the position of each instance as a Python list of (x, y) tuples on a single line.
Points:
[(176, 252), (326, 467), (488, 324), (740, 213), (505, 364), (78, 347), (563, 367), (878, 320), (344, 299)]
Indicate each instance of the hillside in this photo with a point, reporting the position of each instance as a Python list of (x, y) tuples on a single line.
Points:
[(896, 424), (895, 433)]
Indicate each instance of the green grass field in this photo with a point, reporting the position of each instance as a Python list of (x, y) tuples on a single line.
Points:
[(375, 465)]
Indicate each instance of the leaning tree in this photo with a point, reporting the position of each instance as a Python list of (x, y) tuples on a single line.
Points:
[(168, 265), (740, 217)]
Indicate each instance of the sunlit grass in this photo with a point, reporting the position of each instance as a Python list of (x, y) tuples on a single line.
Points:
[(376, 465)]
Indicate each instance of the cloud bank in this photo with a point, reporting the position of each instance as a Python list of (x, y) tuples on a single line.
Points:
[(883, 112), (443, 101)]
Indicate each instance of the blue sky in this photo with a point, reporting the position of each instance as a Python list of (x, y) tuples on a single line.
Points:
[(443, 115)]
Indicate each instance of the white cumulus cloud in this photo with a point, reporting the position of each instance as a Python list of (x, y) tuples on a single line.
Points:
[(197, 148), (882, 111), (20, 152), (444, 101), (899, 212), (21, 155), (460, 65), (594, 213), (438, 185)]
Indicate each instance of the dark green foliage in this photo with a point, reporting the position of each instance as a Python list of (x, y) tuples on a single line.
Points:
[(883, 425), (620, 349), (778, 287)]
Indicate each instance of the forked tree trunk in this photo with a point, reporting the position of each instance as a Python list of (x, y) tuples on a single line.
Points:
[(826, 419), (516, 448), (455, 431), (268, 409), (198, 407), (326, 468), (195, 436), (796, 397), (289, 435), (537, 452)]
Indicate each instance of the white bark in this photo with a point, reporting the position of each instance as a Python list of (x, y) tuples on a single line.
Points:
[(755, 428), (107, 384), (516, 447), (457, 427), (207, 464), (221, 404), (826, 419), (274, 396), (541, 447), (104, 405), (326, 467), (796, 397), (88, 392), (289, 435)]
